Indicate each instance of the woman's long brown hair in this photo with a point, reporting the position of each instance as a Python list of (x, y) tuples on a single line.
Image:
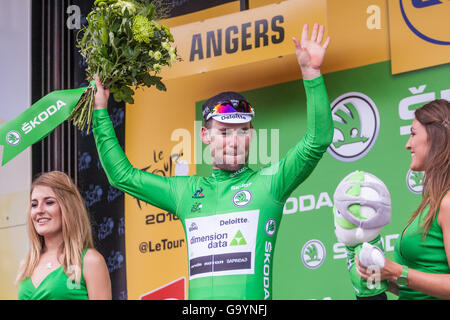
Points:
[(435, 116)]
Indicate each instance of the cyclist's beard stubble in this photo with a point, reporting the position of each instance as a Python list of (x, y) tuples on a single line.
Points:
[(230, 156)]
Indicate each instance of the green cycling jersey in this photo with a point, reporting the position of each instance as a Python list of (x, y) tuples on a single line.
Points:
[(230, 219)]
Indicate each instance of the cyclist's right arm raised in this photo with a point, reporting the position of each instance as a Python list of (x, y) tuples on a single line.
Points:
[(154, 189)]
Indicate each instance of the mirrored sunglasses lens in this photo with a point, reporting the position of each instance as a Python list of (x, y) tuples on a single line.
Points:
[(225, 108), (244, 107)]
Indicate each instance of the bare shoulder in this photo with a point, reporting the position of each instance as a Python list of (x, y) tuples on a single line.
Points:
[(445, 203), (96, 273), (444, 211), (93, 258)]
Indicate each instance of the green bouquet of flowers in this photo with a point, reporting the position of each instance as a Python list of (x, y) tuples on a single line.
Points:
[(124, 46)]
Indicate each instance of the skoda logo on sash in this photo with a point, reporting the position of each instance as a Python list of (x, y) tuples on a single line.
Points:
[(13, 138)]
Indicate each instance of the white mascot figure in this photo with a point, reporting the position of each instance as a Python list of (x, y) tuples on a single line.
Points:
[(362, 206)]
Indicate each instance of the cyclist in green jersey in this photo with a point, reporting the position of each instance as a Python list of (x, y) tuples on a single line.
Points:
[(231, 233)]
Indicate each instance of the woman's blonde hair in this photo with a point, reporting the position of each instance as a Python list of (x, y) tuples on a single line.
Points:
[(76, 227), (435, 117)]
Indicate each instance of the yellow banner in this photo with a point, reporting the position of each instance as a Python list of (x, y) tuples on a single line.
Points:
[(154, 239), (242, 38), (359, 33), (419, 34)]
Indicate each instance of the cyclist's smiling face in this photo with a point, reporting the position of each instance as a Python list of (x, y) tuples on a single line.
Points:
[(229, 144)]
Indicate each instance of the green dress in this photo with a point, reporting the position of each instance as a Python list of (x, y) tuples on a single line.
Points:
[(55, 286), (426, 256)]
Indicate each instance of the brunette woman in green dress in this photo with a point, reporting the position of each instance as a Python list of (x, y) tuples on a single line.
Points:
[(422, 252)]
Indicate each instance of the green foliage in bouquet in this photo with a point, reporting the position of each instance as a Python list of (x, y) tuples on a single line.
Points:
[(124, 46)]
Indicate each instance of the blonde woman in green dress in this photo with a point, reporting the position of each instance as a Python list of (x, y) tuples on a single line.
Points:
[(61, 263), (422, 252)]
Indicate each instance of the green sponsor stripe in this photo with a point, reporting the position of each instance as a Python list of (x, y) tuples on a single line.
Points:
[(37, 121)]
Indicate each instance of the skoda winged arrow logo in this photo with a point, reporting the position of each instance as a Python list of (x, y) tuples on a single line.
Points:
[(242, 198), (414, 181), (13, 138), (350, 128), (313, 254), (356, 125), (270, 227)]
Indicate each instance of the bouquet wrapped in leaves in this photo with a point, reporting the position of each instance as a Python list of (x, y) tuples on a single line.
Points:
[(124, 46)]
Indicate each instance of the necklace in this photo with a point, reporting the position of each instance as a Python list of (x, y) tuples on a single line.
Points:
[(49, 265)]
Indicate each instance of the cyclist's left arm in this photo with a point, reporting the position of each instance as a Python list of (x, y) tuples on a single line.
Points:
[(300, 160)]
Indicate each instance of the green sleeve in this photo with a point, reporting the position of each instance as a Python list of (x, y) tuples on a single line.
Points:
[(154, 189), (300, 160)]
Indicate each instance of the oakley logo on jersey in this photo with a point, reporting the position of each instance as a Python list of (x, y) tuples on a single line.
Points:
[(313, 254), (242, 198), (356, 125)]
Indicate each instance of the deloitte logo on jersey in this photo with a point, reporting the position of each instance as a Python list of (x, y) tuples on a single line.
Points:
[(242, 198), (13, 138), (414, 181), (313, 254), (270, 227), (356, 125)]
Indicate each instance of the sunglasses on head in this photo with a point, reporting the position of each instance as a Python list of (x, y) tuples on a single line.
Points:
[(228, 106)]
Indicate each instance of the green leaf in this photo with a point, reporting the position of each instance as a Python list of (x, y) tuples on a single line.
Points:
[(147, 79), (129, 52), (161, 86)]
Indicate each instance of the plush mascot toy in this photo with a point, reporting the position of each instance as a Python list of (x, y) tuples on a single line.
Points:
[(362, 206)]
